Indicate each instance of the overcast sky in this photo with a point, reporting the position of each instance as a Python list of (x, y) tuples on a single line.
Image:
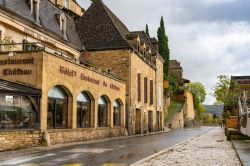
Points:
[(208, 37)]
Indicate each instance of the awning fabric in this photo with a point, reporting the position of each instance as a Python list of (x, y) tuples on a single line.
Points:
[(12, 88)]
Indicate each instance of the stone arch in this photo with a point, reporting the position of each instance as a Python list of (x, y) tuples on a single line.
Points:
[(92, 109), (118, 112), (60, 101), (104, 111)]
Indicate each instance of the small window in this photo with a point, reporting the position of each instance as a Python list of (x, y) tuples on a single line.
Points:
[(34, 6), (63, 25), (66, 4)]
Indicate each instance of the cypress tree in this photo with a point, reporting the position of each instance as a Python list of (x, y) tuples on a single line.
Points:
[(147, 31), (163, 48)]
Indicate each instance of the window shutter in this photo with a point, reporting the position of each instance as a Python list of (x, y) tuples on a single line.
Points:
[(139, 87), (151, 92), (145, 90)]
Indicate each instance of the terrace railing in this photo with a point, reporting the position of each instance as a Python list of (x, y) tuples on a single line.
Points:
[(14, 48)]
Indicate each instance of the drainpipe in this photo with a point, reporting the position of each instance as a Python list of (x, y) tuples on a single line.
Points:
[(130, 111)]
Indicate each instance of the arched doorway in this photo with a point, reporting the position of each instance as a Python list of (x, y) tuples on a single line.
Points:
[(103, 112), (117, 113), (57, 108), (83, 110)]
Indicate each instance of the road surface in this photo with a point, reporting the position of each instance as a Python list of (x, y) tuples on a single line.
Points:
[(124, 151)]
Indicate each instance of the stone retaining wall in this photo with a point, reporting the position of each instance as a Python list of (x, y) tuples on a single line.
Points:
[(12, 140), (178, 121), (78, 135)]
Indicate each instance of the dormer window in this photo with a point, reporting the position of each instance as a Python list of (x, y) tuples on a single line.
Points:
[(144, 49), (63, 24), (138, 44), (35, 9), (66, 4)]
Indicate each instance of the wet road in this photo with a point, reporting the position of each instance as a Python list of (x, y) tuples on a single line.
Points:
[(125, 151)]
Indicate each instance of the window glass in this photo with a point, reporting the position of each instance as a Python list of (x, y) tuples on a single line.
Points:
[(83, 111), (57, 92), (83, 97), (102, 112), (57, 108), (102, 101), (17, 112), (117, 113), (66, 3)]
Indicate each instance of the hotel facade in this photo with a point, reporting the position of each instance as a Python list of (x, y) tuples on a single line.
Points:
[(62, 81)]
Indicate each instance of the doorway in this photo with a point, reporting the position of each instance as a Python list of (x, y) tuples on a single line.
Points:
[(138, 121), (150, 121)]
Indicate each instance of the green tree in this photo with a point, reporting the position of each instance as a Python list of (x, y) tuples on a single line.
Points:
[(163, 48), (198, 90), (199, 96), (226, 92), (173, 85), (147, 31)]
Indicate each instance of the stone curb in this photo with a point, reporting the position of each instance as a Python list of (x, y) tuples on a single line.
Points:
[(237, 153), (15, 153), (166, 150)]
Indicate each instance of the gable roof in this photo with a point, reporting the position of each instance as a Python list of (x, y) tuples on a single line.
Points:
[(48, 20), (100, 29), (144, 38), (153, 40)]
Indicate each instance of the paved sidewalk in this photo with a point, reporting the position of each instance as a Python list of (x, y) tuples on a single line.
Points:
[(243, 149), (206, 150)]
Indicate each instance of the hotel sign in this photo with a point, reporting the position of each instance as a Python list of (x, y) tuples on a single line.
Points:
[(16, 71), (243, 82), (72, 73)]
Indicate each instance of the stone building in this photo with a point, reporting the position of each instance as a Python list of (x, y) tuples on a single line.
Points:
[(69, 6), (131, 55), (51, 83), (176, 70), (40, 52)]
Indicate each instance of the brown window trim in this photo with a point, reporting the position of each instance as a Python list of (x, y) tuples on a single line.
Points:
[(145, 90), (151, 92), (139, 87)]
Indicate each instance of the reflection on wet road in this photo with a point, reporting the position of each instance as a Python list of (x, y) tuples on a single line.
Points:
[(124, 152)]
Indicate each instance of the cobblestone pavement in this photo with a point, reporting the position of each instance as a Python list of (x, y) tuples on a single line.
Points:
[(210, 149)]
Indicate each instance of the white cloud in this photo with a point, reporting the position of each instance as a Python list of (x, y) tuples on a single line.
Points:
[(207, 50), (208, 37), (212, 2)]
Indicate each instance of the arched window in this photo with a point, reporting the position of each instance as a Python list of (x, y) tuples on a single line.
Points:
[(83, 110), (57, 108), (117, 113), (17, 112), (66, 4), (102, 112)]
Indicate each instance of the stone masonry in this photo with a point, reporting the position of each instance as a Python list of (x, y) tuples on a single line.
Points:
[(206, 150), (12, 140)]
